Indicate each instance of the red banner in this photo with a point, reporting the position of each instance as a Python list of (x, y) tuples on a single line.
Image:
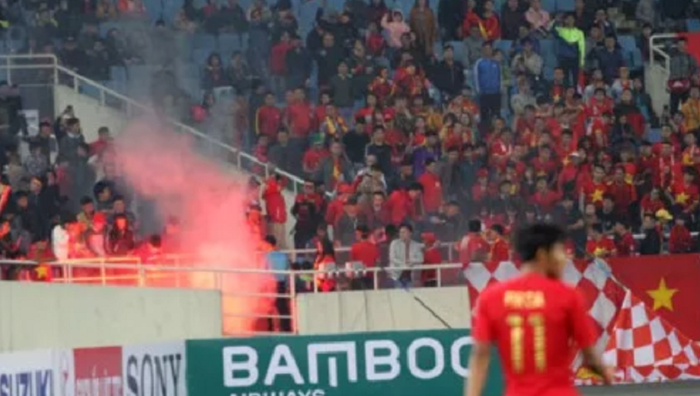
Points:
[(669, 285), (98, 371)]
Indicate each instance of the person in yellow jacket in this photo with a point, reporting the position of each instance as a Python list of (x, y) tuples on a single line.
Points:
[(571, 48), (691, 110)]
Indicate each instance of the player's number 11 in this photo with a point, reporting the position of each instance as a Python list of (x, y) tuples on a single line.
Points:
[(517, 323)]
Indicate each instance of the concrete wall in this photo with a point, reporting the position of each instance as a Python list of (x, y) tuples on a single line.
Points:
[(92, 115), (383, 310), (37, 316)]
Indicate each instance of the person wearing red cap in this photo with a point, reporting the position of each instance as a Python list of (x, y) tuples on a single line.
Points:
[(431, 255)]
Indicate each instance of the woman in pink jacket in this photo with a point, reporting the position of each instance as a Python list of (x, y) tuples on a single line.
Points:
[(395, 27)]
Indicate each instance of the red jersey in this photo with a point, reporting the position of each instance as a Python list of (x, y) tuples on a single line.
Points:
[(603, 248), (594, 192), (500, 250), (532, 320), (431, 255), (473, 247), (267, 121), (432, 192), (626, 245), (365, 252), (545, 201), (301, 119)]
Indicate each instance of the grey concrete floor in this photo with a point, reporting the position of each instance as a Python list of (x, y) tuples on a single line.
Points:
[(687, 388)]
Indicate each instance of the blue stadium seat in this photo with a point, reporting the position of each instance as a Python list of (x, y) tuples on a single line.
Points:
[(228, 43), (565, 5), (636, 60), (200, 55), (107, 26), (202, 40), (550, 5), (693, 25), (458, 49), (547, 46), (628, 43), (118, 73), (504, 45)]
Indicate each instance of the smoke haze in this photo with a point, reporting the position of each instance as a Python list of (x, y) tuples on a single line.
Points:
[(164, 167)]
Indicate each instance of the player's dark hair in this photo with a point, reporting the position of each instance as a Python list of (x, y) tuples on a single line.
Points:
[(530, 239)]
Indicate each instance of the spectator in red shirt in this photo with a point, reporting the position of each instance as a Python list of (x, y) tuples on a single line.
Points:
[(432, 190), (500, 248), (473, 247), (276, 210), (314, 156), (367, 253), (406, 204), (624, 240), (278, 61), (544, 198), (268, 118), (680, 241), (599, 245), (431, 255)]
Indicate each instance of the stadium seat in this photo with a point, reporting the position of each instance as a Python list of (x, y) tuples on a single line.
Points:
[(550, 5), (202, 40), (693, 25), (627, 43), (118, 73), (565, 5), (90, 90), (458, 49), (504, 45), (200, 55), (229, 43)]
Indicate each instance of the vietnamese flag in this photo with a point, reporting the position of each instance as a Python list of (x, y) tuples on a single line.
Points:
[(668, 285)]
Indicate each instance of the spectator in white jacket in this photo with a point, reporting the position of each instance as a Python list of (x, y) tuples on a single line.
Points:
[(404, 254)]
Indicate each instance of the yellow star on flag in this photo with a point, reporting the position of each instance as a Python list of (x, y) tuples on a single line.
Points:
[(682, 198), (42, 272), (586, 374), (629, 178), (663, 296), (597, 196), (566, 160), (598, 252)]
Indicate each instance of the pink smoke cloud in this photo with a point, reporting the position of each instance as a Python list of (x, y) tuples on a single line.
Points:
[(164, 167)]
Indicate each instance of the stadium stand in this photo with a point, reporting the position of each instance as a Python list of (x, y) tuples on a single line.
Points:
[(439, 121)]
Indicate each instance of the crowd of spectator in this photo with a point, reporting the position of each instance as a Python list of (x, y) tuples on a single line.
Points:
[(420, 147), (451, 126)]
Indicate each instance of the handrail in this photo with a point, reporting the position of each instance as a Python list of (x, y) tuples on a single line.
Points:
[(656, 49), (295, 180)]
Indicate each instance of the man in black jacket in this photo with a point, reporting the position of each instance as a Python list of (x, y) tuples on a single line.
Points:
[(448, 75)]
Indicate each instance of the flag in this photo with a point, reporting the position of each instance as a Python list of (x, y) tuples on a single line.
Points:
[(668, 285), (602, 293), (644, 347)]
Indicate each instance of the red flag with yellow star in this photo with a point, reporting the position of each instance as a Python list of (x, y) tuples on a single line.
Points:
[(667, 284)]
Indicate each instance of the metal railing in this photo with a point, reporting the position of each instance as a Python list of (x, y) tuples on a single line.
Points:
[(38, 70), (116, 272), (659, 69)]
